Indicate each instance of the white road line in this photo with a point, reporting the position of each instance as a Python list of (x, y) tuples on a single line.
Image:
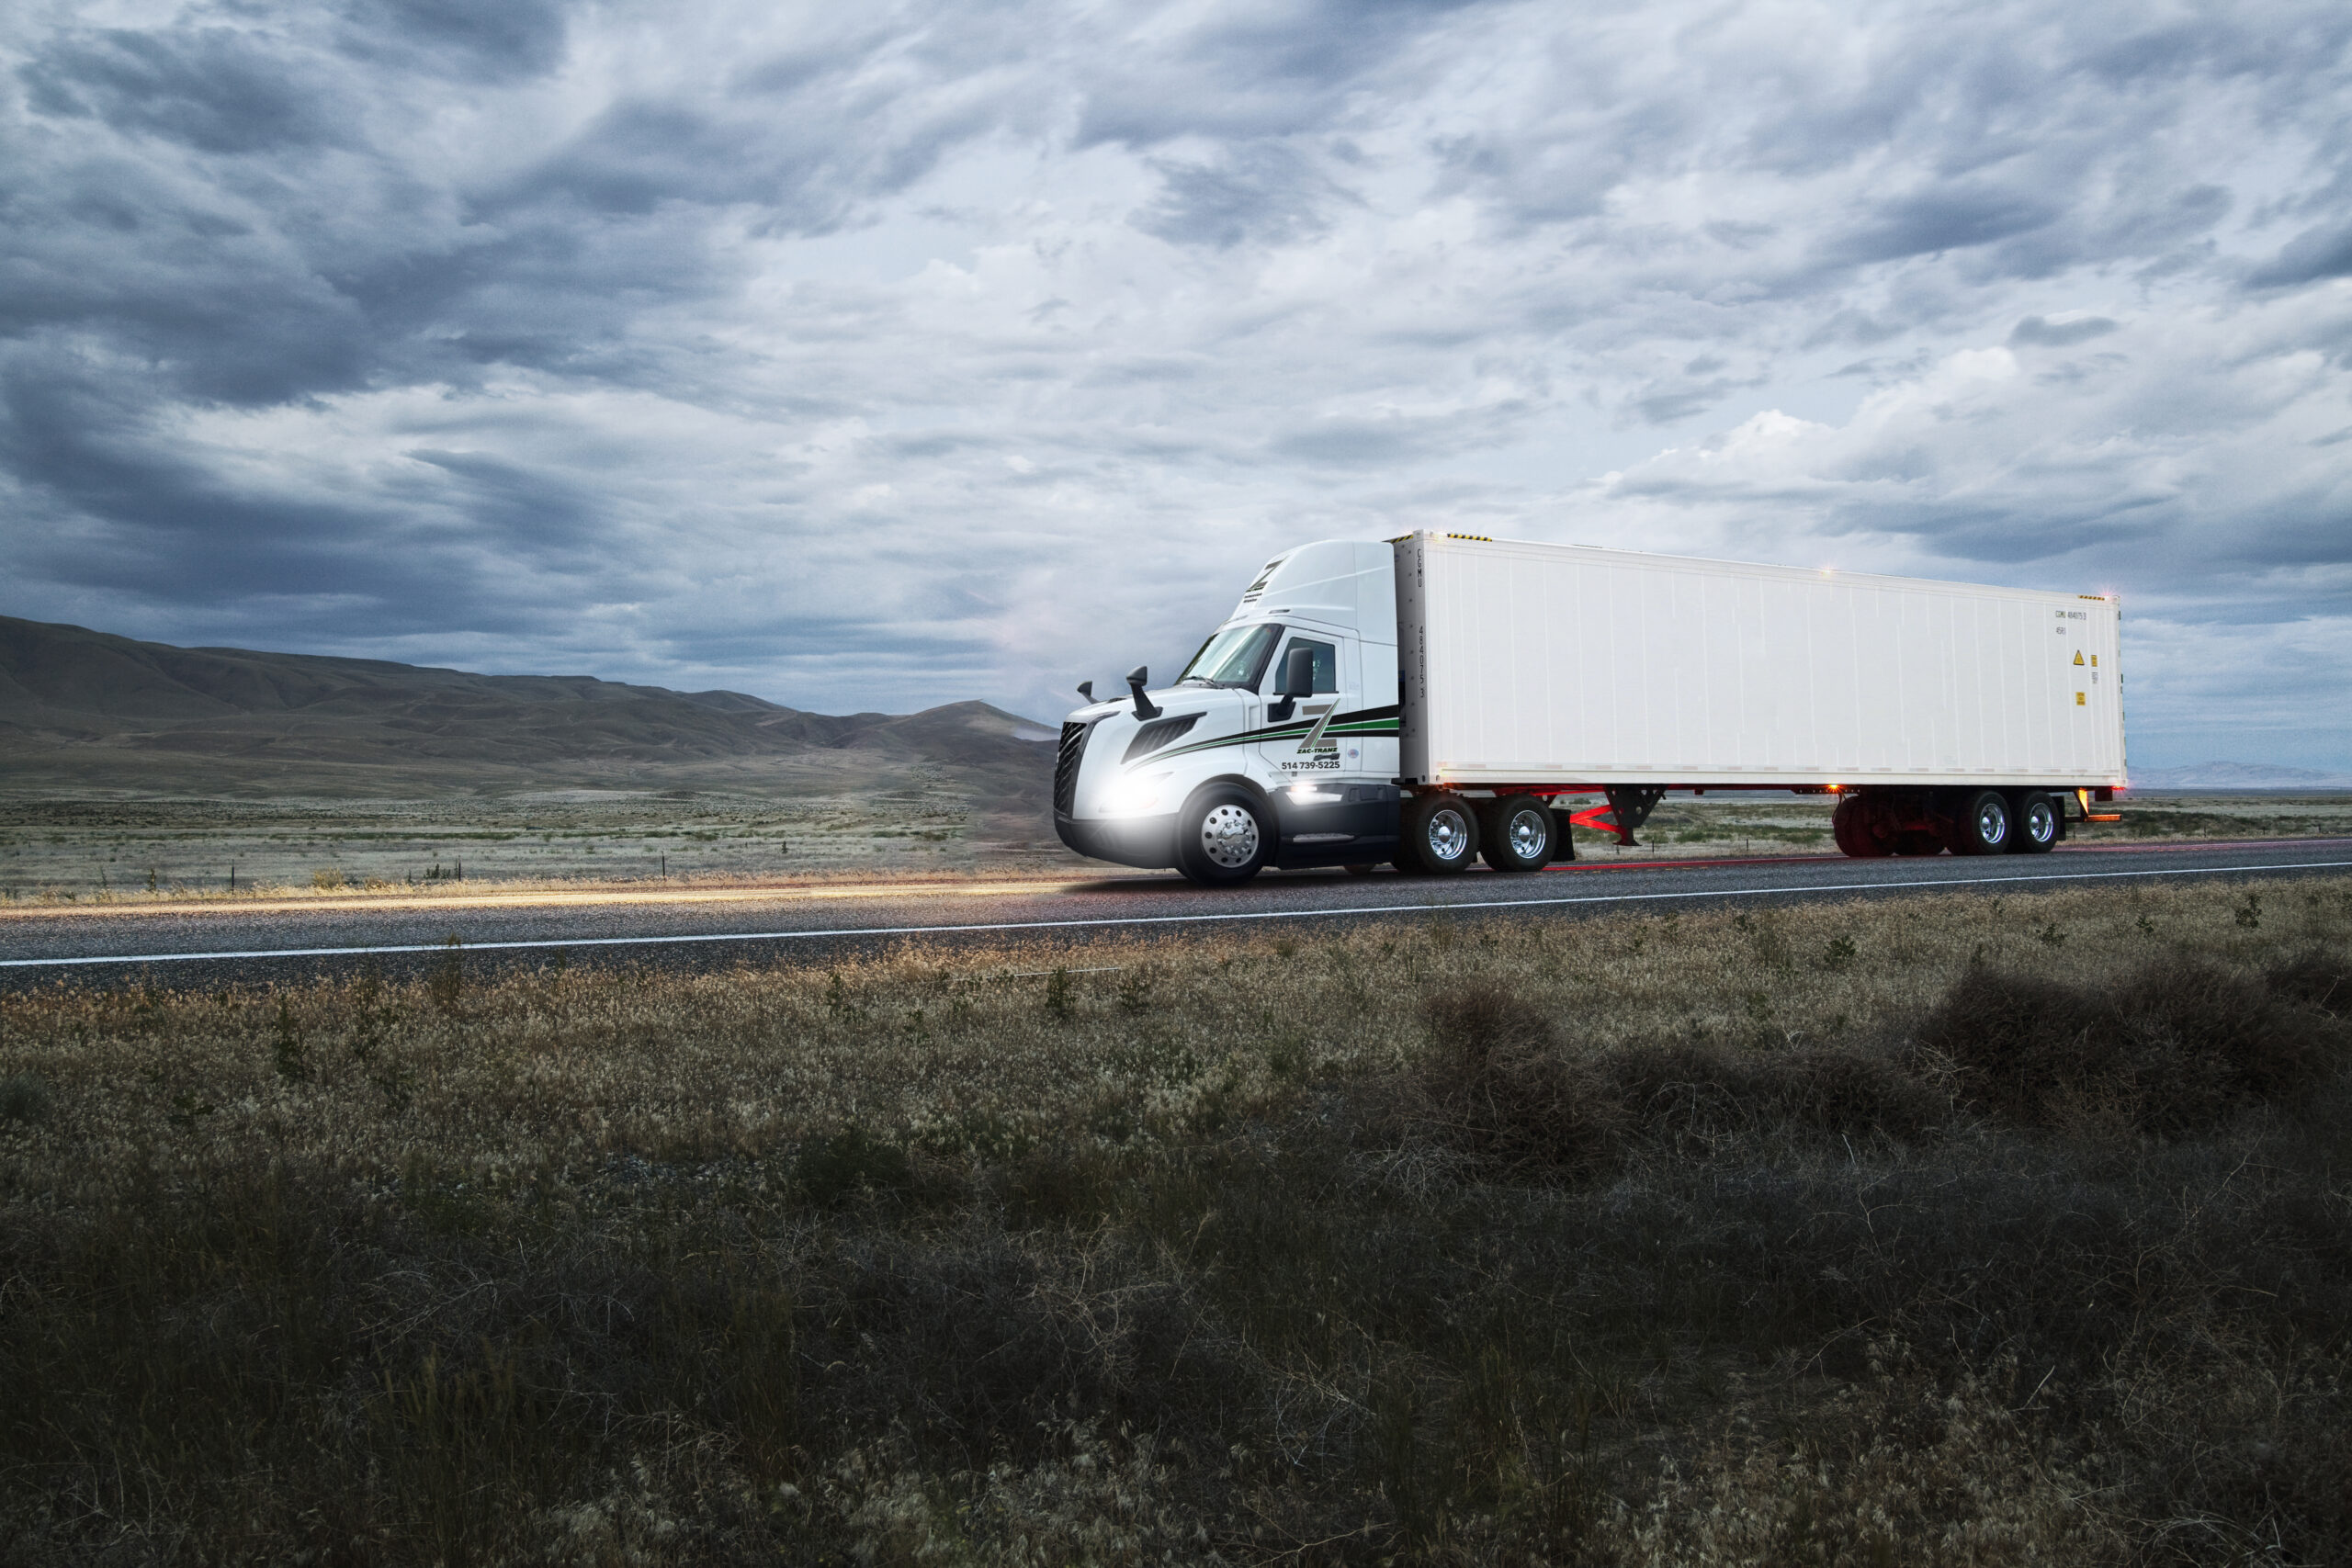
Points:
[(513, 947)]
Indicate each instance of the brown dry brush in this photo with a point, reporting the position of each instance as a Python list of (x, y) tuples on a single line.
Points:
[(1960, 1230)]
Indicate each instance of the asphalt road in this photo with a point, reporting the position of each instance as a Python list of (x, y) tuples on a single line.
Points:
[(214, 945)]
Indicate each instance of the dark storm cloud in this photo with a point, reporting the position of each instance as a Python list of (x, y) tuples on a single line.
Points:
[(1949, 219), (133, 515), (2044, 333), (1263, 193), (502, 42), (1251, 71), (215, 89), (2313, 255)]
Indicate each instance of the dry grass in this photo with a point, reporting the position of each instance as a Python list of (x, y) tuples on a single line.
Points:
[(1957, 1230)]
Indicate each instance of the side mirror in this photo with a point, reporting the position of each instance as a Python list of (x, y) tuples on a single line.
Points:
[(1293, 680), (1086, 690), (1136, 680), (1298, 677)]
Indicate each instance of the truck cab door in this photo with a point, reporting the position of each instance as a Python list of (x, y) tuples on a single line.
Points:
[(1330, 813), (1300, 746)]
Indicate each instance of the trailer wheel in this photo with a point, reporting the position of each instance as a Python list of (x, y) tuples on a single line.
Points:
[(1222, 837), (1515, 834), (1440, 834), (1850, 825), (2037, 826), (1982, 825)]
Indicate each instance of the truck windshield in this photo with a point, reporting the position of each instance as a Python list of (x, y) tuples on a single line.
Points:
[(1235, 657)]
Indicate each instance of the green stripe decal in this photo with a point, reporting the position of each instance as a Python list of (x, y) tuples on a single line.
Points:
[(1363, 722)]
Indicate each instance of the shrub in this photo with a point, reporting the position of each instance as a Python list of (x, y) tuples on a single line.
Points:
[(1496, 1087), (850, 1161), (24, 1097), (2178, 1045), (1683, 1091), (2316, 977)]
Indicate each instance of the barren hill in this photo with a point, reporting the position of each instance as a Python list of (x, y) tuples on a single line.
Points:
[(85, 710)]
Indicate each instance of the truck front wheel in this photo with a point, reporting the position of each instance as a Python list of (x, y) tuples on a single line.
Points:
[(1222, 837), (1440, 834), (1516, 835)]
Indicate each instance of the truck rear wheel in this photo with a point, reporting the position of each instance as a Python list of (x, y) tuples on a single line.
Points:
[(1222, 837), (2038, 825), (1851, 823), (1440, 834), (1515, 834), (1982, 824)]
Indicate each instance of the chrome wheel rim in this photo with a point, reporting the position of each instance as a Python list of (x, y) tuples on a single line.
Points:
[(1528, 834), (2040, 822), (1992, 823), (1449, 834), (1229, 836)]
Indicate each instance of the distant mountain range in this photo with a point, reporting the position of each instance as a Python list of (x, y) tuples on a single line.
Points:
[(85, 710), (2237, 776)]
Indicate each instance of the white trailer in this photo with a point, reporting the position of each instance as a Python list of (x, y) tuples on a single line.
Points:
[(1429, 701)]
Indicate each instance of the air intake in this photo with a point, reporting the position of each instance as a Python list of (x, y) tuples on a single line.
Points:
[(1159, 733)]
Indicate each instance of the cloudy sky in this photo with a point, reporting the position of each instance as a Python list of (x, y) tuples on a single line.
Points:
[(884, 354)]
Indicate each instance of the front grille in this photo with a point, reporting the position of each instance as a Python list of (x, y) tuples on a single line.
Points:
[(1065, 766)]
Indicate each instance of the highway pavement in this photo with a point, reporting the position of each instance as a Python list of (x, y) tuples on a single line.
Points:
[(701, 928)]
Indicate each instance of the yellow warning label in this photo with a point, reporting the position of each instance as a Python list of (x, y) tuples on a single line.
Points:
[(2078, 656), (2078, 699), (2094, 661)]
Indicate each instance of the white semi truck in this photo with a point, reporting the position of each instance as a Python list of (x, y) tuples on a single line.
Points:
[(1431, 701)]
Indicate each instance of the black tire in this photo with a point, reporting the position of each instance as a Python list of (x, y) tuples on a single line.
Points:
[(2038, 825), (1850, 825), (1225, 835), (1440, 834), (1982, 825), (1515, 834)]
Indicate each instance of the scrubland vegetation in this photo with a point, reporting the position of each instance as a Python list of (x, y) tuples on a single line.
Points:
[(81, 851), (1951, 1230)]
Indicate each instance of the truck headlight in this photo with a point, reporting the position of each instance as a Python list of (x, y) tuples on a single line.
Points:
[(1134, 796)]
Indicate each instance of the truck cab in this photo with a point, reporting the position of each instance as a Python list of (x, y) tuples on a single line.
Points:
[(1275, 746)]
